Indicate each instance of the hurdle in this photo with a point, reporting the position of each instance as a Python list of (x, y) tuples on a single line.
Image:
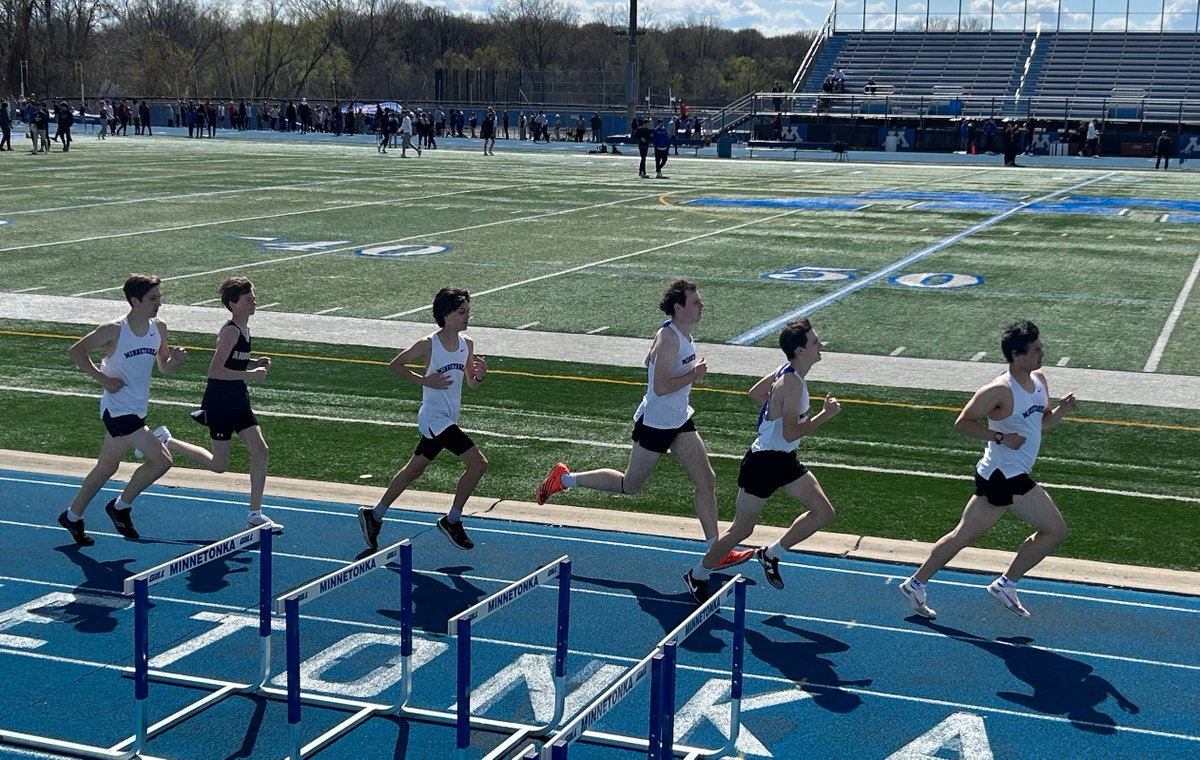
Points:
[(659, 665), (460, 626), (139, 586)]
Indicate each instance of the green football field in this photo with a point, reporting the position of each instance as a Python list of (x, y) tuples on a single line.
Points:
[(576, 243), (921, 261)]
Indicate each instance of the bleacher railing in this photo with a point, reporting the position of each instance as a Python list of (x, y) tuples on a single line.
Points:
[(1136, 16), (810, 58)]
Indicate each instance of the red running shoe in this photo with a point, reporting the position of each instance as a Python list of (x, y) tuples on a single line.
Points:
[(552, 484)]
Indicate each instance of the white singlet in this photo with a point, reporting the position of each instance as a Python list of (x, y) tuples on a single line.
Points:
[(1026, 419), (132, 360), (671, 410), (770, 432), (440, 407)]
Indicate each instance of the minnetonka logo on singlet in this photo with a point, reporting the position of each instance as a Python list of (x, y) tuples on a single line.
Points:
[(141, 351), (453, 366), (1035, 409)]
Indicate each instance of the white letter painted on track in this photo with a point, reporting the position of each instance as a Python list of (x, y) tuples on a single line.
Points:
[(961, 732), (372, 684), (711, 703), (49, 609), (535, 671), (227, 626)]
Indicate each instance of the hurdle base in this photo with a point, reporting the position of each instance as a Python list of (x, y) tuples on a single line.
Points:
[(63, 747)]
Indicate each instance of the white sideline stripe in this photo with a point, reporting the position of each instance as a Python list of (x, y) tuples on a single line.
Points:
[(531, 324), (899, 350), (609, 445), (30, 290), (207, 300), (537, 217), (329, 311), (612, 259), (504, 582), (597, 330), (1064, 361), (886, 577), (1160, 345), (265, 305), (807, 309), (979, 356)]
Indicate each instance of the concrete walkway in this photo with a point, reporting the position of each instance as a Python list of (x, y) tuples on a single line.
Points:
[(1170, 391)]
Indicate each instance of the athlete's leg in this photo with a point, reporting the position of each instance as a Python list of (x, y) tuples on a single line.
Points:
[(641, 463), (746, 515), (477, 465), (808, 492), (158, 461), (977, 517), (260, 455), (111, 451), (402, 480), (215, 461), (1039, 510), (689, 449)]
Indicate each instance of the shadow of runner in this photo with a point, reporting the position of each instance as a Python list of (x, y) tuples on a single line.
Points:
[(102, 581), (800, 661), (669, 611), (1061, 685), (435, 602)]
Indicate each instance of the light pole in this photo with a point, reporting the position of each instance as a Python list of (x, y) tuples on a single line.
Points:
[(631, 66)]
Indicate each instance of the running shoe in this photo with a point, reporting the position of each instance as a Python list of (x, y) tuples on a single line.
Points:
[(734, 558), (259, 520), (552, 484), (916, 597), (697, 588), (76, 530), (1007, 594), (770, 567), (370, 526), (122, 519), (456, 533)]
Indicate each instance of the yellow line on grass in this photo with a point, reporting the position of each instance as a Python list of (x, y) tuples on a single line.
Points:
[(639, 383)]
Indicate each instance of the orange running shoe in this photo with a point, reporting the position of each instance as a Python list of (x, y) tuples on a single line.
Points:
[(734, 558), (552, 484)]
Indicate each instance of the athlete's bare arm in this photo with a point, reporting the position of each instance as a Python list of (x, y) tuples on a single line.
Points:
[(226, 341), (1066, 405), (168, 358), (665, 346), (762, 389), (994, 401), (103, 337), (476, 367), (790, 388), (419, 351)]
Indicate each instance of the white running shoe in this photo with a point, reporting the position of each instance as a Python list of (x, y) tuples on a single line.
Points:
[(916, 597), (259, 520), (1007, 594)]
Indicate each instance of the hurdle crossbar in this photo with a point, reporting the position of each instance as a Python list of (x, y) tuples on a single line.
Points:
[(460, 626), (139, 586), (557, 747)]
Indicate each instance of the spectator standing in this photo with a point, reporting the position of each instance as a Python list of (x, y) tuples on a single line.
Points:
[(488, 132), (144, 111), (65, 119), (777, 90), (598, 126), (504, 123), (1093, 140), (662, 145), (1162, 150), (5, 127), (643, 135)]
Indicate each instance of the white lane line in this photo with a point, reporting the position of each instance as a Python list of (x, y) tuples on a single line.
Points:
[(1064, 361), (531, 324), (184, 197), (329, 311), (267, 305), (612, 259), (30, 290), (208, 300), (979, 356), (899, 350), (1160, 345), (597, 330), (618, 445)]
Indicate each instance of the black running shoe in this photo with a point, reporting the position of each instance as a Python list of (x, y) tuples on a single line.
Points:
[(370, 526), (456, 533), (770, 567), (697, 588), (76, 530), (122, 519)]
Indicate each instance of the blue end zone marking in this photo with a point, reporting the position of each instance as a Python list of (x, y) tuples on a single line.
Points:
[(990, 206), (507, 595), (1184, 218), (854, 285), (192, 560), (327, 583)]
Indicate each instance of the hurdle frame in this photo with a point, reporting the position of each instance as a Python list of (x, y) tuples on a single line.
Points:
[(460, 626), (659, 742), (138, 585)]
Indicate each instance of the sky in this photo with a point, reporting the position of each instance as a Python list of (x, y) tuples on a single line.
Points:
[(776, 17)]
